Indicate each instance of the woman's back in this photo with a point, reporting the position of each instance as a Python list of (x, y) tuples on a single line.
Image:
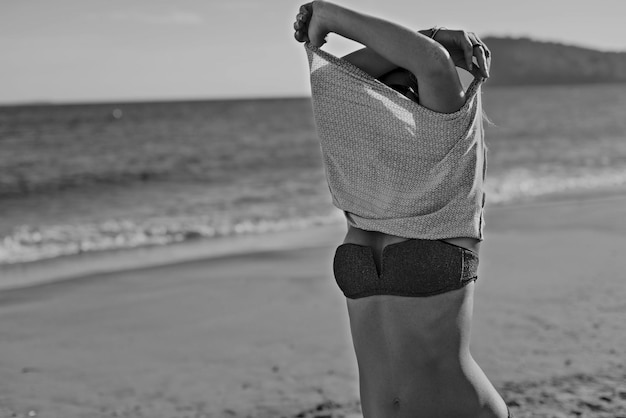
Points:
[(409, 295), (414, 358)]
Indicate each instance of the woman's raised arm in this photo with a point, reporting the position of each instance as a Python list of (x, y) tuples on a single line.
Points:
[(462, 46)]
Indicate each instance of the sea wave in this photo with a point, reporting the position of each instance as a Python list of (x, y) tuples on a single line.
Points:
[(31, 243), (27, 243), (524, 183)]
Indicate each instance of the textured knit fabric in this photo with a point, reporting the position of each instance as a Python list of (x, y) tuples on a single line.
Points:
[(413, 268), (393, 165)]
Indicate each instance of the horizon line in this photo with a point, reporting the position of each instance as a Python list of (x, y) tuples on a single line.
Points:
[(95, 102), (113, 101)]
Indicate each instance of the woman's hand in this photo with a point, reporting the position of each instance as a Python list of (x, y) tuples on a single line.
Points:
[(309, 24), (462, 46)]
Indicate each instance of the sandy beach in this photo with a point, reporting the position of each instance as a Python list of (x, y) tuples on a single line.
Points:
[(260, 329)]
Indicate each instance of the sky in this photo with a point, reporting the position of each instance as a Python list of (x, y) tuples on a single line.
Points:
[(119, 50)]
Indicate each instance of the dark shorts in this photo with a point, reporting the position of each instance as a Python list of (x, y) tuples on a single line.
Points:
[(415, 268)]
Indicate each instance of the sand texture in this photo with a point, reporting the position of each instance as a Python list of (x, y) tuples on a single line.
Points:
[(264, 333)]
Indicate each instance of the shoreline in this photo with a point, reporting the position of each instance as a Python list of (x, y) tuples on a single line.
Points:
[(264, 332), (73, 266)]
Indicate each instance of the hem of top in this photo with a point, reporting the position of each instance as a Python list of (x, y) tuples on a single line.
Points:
[(424, 237), (469, 92)]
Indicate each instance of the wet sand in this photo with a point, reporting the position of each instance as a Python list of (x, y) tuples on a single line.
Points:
[(263, 332)]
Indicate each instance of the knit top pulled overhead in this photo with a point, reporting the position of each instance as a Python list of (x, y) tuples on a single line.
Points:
[(393, 165)]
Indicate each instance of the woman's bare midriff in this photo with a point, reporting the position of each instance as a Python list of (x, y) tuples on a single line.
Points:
[(379, 240)]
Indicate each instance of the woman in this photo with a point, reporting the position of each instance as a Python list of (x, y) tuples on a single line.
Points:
[(407, 168)]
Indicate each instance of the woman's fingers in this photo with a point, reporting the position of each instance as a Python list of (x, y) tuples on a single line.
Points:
[(481, 60), (487, 51), (481, 54), (300, 37), (299, 33), (485, 58), (301, 24), (306, 8), (468, 50)]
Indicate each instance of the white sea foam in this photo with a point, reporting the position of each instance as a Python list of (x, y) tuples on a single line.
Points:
[(28, 243), (527, 184)]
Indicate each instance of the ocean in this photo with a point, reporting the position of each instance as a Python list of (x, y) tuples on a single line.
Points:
[(94, 177)]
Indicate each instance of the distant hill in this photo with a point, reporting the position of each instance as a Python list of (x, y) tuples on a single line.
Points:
[(523, 61)]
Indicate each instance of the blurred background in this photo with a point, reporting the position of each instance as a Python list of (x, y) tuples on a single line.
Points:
[(126, 124)]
